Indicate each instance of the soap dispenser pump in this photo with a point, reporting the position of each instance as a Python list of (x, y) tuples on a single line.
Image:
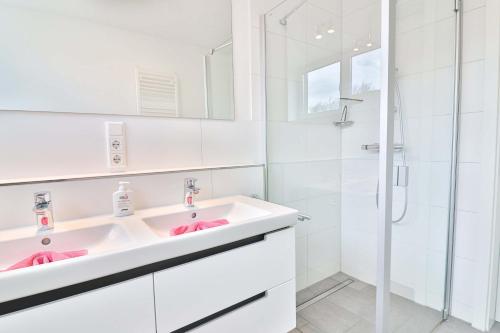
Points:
[(123, 200)]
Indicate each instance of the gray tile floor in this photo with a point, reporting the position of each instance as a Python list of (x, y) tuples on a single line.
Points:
[(352, 310)]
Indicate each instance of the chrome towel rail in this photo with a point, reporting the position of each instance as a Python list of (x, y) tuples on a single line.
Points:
[(376, 147), (303, 217)]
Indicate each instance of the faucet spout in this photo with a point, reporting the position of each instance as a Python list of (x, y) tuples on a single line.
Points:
[(44, 215), (190, 190)]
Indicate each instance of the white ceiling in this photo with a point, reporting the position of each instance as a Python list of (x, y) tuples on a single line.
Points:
[(202, 22)]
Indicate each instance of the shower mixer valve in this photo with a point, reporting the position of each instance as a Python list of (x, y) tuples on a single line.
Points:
[(400, 176)]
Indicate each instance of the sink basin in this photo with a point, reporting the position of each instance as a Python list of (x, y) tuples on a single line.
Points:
[(120, 244), (235, 212), (95, 239)]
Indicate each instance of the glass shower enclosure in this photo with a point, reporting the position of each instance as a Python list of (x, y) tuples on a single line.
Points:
[(323, 82)]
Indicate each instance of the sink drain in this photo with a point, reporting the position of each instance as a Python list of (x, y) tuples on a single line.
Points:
[(46, 241)]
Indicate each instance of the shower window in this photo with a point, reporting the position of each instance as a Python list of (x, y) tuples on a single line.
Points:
[(366, 72), (323, 89)]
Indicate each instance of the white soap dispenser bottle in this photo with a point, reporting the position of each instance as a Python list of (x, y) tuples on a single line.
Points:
[(123, 200)]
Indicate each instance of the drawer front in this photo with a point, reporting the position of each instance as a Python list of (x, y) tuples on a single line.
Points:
[(275, 313), (187, 293), (127, 307)]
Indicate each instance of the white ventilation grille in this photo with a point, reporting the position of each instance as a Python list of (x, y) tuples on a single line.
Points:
[(157, 94)]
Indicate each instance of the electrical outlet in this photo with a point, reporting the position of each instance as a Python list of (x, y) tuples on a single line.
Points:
[(116, 143), (116, 146), (117, 160)]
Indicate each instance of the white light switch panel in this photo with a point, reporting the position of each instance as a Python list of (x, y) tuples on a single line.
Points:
[(116, 145)]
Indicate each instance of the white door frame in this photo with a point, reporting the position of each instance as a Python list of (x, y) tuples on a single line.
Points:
[(384, 228)]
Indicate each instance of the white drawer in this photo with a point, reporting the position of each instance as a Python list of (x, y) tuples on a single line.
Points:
[(274, 313), (126, 307), (187, 293)]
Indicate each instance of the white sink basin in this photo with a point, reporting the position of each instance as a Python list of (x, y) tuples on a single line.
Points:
[(119, 244), (233, 212), (95, 239)]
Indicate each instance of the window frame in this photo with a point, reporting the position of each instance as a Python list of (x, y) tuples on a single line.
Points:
[(306, 90), (352, 93)]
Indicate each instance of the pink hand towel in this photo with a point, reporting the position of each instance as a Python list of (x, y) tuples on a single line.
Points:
[(46, 257), (200, 225)]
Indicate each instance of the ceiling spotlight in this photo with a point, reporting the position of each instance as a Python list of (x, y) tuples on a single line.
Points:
[(319, 33), (369, 43), (331, 30), (356, 49)]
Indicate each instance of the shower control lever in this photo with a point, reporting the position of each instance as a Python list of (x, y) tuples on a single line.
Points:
[(400, 176)]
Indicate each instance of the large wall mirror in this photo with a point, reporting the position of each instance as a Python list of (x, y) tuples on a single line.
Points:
[(170, 58)]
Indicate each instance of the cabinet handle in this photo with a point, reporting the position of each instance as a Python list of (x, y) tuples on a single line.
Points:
[(220, 313)]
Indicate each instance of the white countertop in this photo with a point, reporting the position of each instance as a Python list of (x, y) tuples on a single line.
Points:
[(143, 246)]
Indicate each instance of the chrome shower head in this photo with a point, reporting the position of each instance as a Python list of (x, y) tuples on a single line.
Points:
[(343, 124), (343, 119)]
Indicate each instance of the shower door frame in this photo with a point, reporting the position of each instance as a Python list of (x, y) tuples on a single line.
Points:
[(386, 156), (388, 41), (452, 199)]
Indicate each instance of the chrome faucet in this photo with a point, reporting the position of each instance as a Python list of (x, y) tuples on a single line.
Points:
[(43, 211), (190, 190)]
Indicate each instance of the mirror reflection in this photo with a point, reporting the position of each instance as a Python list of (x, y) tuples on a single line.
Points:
[(170, 58)]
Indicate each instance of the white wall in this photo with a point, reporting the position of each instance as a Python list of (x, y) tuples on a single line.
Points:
[(52, 145)]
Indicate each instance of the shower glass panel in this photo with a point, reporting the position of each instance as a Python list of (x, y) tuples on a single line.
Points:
[(424, 95), (323, 114), (304, 66), (316, 125)]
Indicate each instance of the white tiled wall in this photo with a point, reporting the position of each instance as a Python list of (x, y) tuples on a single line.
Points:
[(84, 198), (36, 144)]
